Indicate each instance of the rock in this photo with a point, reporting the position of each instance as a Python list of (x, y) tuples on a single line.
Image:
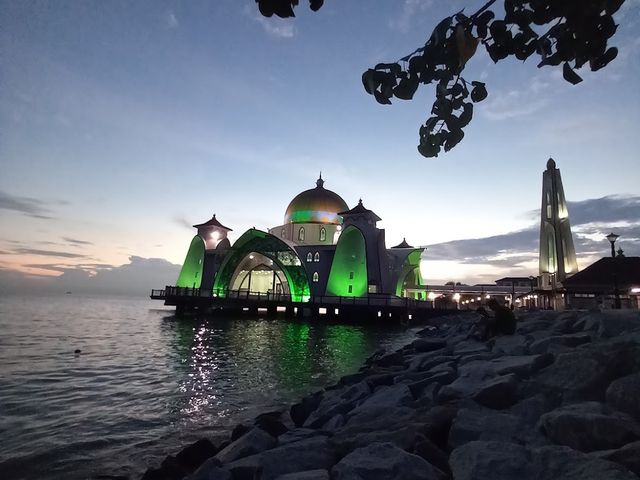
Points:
[(211, 470), (570, 341), (467, 347), (382, 461), (428, 450), (390, 359), (428, 344), (194, 455), (553, 462), (334, 423), (426, 361), (615, 323), (298, 434), (510, 345), (478, 424), (338, 402), (465, 359), (254, 441), (437, 423), (271, 423), (319, 474), (299, 412), (585, 427), (535, 325), (352, 379), (498, 393), (490, 460), (624, 394), (312, 454), (507, 461), (391, 396), (238, 431), (585, 373), (441, 378), (523, 365), (627, 456), (380, 379)]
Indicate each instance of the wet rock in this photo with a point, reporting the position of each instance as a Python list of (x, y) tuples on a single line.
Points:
[(254, 441), (441, 378), (522, 365), (238, 431), (428, 450), (380, 379), (194, 455), (299, 412), (271, 423), (426, 361), (468, 347), (390, 359), (383, 461), (624, 394), (298, 434), (586, 427), (511, 345), (319, 474), (352, 379), (390, 396), (339, 402)]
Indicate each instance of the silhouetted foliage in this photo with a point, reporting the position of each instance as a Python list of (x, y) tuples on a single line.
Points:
[(567, 32)]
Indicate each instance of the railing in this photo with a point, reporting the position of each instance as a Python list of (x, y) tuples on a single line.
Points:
[(324, 300)]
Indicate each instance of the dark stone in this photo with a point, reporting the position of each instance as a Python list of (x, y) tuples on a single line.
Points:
[(627, 456), (211, 470), (271, 424), (624, 394), (543, 345), (442, 378), (498, 393), (319, 474), (380, 379), (478, 424), (428, 344), (390, 359), (428, 450), (254, 441), (352, 379), (383, 461), (299, 412), (238, 431), (194, 455), (482, 460)]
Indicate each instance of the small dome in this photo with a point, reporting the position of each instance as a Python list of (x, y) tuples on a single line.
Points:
[(316, 205), (551, 164)]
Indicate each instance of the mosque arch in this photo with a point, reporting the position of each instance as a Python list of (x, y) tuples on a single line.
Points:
[(410, 275), (274, 250), (348, 275), (309, 257), (191, 272), (323, 234), (301, 234)]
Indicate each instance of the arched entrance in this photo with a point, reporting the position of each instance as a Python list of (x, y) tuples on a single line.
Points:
[(257, 273), (274, 254)]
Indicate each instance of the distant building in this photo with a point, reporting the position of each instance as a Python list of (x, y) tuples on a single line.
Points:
[(322, 248), (557, 258), (516, 282), (598, 284)]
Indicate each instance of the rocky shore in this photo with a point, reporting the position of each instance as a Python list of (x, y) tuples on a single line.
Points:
[(560, 399)]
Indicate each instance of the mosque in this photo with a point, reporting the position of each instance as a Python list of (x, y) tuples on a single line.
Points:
[(323, 248)]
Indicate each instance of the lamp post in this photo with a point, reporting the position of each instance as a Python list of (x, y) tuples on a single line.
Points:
[(531, 279), (612, 237)]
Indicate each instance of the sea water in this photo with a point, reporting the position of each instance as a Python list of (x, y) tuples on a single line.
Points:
[(146, 383)]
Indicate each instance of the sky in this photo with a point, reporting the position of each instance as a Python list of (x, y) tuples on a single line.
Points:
[(124, 123)]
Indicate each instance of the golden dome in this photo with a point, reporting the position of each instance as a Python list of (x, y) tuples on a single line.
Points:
[(316, 205)]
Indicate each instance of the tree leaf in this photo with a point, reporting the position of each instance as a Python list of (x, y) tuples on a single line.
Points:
[(479, 91), (406, 88), (569, 75)]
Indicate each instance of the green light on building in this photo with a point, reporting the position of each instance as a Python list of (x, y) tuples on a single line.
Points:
[(191, 272), (348, 276)]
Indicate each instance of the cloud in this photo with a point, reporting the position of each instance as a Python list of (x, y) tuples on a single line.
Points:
[(170, 19), (76, 241), (181, 220), (410, 8), (274, 26), (516, 253), (47, 253), (515, 103), (29, 206)]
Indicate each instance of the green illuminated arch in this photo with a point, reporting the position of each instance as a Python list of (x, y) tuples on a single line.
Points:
[(191, 272), (410, 272), (350, 260), (273, 248)]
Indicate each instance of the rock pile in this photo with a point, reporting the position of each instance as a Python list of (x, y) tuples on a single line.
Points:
[(559, 399)]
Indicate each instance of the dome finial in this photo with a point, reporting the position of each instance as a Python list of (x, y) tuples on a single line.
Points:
[(551, 164), (320, 181)]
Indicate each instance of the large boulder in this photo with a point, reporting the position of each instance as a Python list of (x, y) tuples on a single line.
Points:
[(586, 427), (624, 394), (312, 454), (479, 424), (211, 470), (558, 343), (511, 345), (318, 474), (383, 461), (391, 396), (627, 456), (299, 412), (194, 455), (254, 441), (337, 402), (497, 393)]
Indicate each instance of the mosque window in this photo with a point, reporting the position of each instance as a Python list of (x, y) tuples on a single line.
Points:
[(350, 288), (301, 234), (316, 257), (309, 257), (283, 233), (350, 275), (316, 277), (323, 234)]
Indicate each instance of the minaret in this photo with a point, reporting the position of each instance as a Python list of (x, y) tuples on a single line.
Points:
[(557, 253)]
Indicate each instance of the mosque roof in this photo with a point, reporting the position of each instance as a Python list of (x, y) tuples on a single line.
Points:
[(316, 205), (212, 223), (403, 244), (360, 210)]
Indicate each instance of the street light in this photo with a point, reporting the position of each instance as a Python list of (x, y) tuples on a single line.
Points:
[(612, 237)]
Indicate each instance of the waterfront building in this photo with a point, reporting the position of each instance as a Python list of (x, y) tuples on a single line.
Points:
[(323, 248)]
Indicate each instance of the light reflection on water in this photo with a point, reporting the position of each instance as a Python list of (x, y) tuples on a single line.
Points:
[(146, 383)]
